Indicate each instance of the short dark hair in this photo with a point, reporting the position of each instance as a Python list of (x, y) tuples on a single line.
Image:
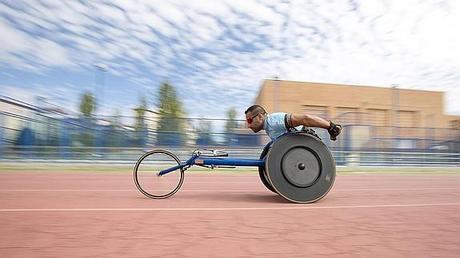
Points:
[(255, 108)]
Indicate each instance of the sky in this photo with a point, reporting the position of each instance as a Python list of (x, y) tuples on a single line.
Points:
[(217, 53)]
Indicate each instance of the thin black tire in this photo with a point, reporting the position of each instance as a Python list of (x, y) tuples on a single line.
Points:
[(263, 173), (153, 173)]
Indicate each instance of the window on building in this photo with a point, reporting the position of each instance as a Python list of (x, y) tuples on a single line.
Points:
[(455, 124), (377, 117), (406, 118), (320, 111), (348, 115)]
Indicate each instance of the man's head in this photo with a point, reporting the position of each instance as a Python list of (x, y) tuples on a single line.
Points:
[(255, 117)]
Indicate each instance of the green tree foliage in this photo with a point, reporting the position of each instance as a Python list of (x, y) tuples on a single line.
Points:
[(140, 130), (87, 104), (231, 124), (115, 134), (87, 108), (204, 133), (170, 126), (140, 114), (115, 119)]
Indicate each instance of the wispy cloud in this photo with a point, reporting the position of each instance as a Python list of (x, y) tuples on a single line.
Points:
[(217, 52)]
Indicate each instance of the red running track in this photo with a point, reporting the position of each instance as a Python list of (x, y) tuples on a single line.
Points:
[(227, 215)]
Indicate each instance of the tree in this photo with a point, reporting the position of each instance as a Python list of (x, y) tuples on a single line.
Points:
[(114, 137), (140, 114), (140, 130), (170, 124), (230, 125), (115, 119), (87, 105), (204, 133)]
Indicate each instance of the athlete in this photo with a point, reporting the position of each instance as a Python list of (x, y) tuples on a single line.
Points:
[(276, 124)]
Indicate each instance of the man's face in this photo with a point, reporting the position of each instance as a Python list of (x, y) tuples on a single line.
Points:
[(255, 121)]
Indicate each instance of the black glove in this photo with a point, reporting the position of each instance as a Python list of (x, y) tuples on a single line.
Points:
[(334, 130)]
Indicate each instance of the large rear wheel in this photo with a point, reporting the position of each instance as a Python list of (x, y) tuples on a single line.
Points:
[(300, 168)]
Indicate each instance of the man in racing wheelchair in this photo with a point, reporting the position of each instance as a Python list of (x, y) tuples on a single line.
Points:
[(276, 124)]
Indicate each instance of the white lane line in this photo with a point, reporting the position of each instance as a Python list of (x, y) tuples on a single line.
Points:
[(286, 207), (229, 190)]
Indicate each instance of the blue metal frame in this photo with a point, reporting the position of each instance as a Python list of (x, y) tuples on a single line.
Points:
[(206, 161), (214, 161)]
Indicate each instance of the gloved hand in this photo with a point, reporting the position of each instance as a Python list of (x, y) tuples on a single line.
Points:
[(334, 130)]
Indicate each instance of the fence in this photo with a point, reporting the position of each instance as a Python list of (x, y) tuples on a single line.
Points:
[(130, 155), (32, 133)]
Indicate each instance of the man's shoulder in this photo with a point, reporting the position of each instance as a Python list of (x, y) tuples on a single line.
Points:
[(277, 117), (277, 114)]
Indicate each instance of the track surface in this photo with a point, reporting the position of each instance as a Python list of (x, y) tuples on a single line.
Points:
[(227, 215)]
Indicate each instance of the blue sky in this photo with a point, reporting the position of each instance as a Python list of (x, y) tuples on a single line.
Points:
[(216, 53)]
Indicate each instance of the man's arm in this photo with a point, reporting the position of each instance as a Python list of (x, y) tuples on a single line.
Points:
[(309, 121), (294, 120)]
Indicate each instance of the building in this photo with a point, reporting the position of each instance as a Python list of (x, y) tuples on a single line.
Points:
[(11, 119), (377, 117)]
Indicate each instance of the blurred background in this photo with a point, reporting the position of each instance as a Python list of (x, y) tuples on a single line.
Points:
[(104, 81)]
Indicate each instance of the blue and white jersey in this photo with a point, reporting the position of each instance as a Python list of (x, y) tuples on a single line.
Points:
[(274, 125)]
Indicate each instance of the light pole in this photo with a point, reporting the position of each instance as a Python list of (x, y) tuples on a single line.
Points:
[(99, 85), (276, 93), (99, 80), (395, 106)]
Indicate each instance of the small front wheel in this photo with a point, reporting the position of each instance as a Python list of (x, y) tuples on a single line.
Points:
[(149, 182)]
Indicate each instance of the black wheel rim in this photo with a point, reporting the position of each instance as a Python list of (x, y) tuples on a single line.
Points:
[(262, 172), (146, 179)]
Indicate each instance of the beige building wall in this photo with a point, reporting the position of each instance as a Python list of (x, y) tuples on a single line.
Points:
[(364, 105), (378, 114)]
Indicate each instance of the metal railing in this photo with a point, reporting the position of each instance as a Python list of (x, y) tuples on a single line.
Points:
[(397, 159), (27, 133), (130, 155)]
